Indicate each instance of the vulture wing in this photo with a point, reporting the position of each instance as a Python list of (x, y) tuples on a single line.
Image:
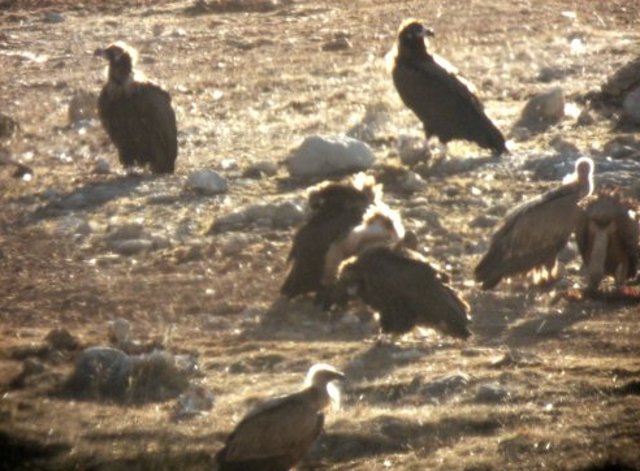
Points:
[(530, 236), (407, 291), (115, 112), (446, 107), (154, 122), (274, 437)]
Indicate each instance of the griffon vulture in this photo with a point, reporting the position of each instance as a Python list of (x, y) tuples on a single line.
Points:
[(277, 434), (533, 233)]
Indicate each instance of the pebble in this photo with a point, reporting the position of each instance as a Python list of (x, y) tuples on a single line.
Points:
[(320, 156), (543, 109), (207, 182), (446, 385), (491, 393), (53, 17), (413, 182), (261, 169), (131, 246), (102, 167), (413, 150)]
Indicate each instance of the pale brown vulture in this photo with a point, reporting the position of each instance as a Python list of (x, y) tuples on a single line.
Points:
[(532, 234), (405, 290), (442, 101), (277, 434), (137, 115), (336, 208), (607, 236)]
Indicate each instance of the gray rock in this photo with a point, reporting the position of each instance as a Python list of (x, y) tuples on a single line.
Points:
[(543, 110), (102, 167), (321, 156), (125, 231), (413, 150), (562, 146), (621, 147), (73, 225), (196, 400), (52, 17), (631, 106), (585, 118), (413, 182), (131, 246), (261, 169), (234, 244), (491, 393), (119, 330), (272, 215), (207, 182), (287, 214), (340, 43), (484, 221), (446, 385), (423, 213)]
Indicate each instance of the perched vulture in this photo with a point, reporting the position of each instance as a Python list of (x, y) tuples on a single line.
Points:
[(137, 115), (277, 434), (404, 289), (336, 208), (532, 234), (607, 236), (446, 106)]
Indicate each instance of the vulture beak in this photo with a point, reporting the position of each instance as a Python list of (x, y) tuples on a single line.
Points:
[(427, 32)]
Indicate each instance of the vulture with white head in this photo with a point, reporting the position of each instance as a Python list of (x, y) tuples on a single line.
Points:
[(531, 235), (137, 115), (607, 236), (277, 434), (443, 102)]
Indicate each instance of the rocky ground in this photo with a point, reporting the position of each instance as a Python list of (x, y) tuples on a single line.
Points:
[(546, 382)]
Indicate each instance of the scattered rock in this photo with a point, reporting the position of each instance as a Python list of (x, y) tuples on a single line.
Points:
[(273, 215), (631, 107), (52, 17), (73, 225), (413, 150), (374, 124), (622, 147), (207, 182), (446, 385), (413, 182), (543, 110), (624, 80), (196, 400), (491, 393), (562, 146), (102, 167), (131, 246), (321, 156), (484, 221), (425, 214), (515, 358), (261, 169), (585, 118), (340, 43), (287, 214), (61, 339), (119, 331), (234, 244), (83, 106)]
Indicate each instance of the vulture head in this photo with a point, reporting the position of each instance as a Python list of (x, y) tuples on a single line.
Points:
[(121, 58), (322, 377), (583, 175), (358, 193), (411, 37)]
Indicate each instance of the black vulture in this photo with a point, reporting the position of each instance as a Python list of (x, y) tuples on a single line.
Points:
[(441, 100), (137, 115), (278, 433), (607, 236), (406, 291), (336, 208), (533, 233)]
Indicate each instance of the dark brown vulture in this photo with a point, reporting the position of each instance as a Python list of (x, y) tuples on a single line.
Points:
[(405, 290), (336, 208), (137, 115), (277, 434), (607, 236), (442, 101), (532, 234)]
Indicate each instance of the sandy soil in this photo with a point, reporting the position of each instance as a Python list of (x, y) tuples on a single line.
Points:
[(249, 81)]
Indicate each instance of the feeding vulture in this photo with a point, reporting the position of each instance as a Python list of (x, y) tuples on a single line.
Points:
[(441, 100), (405, 290), (277, 434), (336, 208), (533, 233), (607, 236), (137, 115)]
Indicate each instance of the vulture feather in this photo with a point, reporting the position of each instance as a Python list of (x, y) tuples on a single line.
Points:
[(532, 235), (446, 106), (277, 434), (336, 208), (607, 236), (137, 115), (405, 290)]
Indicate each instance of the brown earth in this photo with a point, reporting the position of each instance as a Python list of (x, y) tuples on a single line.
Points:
[(249, 81)]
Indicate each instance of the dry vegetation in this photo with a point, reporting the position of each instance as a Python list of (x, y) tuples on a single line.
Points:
[(249, 86)]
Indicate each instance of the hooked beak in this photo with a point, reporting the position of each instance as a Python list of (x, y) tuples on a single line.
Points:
[(427, 32), (100, 52)]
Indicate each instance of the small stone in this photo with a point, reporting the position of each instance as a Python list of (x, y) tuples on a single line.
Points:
[(413, 182), (585, 118), (287, 214), (423, 213), (341, 43), (73, 225), (102, 167), (53, 17), (126, 231), (484, 221), (119, 331), (446, 385), (131, 246), (234, 244), (207, 182), (543, 110), (261, 169), (413, 150), (194, 401), (321, 156), (491, 393), (564, 147), (631, 107)]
